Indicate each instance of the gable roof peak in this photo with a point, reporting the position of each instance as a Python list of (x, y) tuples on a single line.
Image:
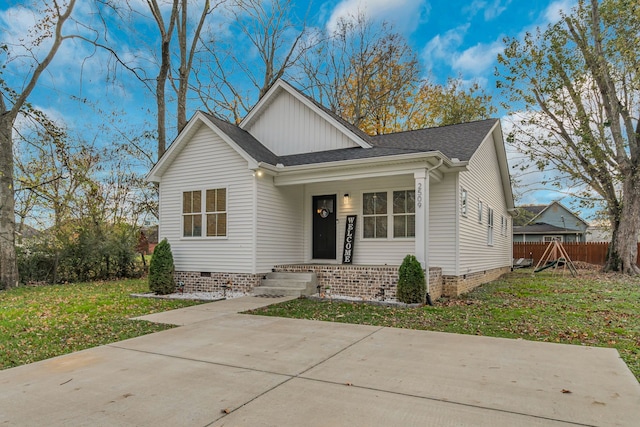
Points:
[(280, 85)]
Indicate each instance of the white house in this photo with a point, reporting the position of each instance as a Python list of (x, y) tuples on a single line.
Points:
[(276, 192)]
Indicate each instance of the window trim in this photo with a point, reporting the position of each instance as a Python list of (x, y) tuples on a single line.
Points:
[(203, 213), (190, 214), (464, 202), (404, 214), (216, 213), (490, 217), (389, 215), (374, 215)]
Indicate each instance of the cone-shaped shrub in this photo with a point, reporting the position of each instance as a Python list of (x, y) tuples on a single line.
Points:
[(161, 269), (412, 285)]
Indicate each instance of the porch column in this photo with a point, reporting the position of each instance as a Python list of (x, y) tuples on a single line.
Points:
[(422, 217)]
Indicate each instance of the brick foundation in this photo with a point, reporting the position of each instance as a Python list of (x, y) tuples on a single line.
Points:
[(213, 282), (366, 282), (360, 281), (454, 286)]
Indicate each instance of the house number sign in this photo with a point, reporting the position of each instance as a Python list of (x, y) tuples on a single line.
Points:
[(349, 234), (419, 195)]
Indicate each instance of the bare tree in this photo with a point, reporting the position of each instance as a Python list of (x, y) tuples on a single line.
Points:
[(166, 34), (12, 102), (579, 83), (364, 72), (187, 51), (265, 29)]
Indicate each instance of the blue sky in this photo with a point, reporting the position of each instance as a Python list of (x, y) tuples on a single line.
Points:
[(452, 38)]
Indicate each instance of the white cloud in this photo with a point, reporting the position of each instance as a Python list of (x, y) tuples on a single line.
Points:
[(477, 59), (440, 48), (490, 9), (404, 15), (473, 62), (553, 12)]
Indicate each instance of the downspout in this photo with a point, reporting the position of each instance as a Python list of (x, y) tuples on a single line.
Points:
[(428, 225)]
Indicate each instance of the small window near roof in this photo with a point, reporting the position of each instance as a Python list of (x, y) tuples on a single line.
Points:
[(489, 227), (463, 202)]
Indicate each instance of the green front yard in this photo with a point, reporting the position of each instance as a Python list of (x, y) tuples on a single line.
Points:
[(594, 309), (41, 322)]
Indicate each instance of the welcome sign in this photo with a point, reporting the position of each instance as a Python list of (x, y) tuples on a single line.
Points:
[(349, 235)]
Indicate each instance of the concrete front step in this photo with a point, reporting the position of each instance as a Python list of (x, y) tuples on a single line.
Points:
[(306, 277), (287, 284)]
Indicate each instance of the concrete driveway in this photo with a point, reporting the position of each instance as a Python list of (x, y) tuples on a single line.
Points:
[(226, 369)]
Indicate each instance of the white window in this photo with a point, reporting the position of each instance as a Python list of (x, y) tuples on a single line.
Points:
[(480, 209), (463, 202), (490, 227), (214, 207), (191, 214), (374, 215), (383, 211), (216, 211), (404, 213)]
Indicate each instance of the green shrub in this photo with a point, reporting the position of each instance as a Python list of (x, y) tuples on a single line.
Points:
[(161, 269), (412, 285), (78, 251)]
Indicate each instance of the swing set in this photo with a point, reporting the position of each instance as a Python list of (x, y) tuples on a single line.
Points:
[(555, 256)]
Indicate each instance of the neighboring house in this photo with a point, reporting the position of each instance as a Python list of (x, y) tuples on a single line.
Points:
[(551, 222), (275, 193), (25, 233), (600, 232)]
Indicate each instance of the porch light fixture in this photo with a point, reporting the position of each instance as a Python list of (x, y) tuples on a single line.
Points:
[(258, 173), (346, 197)]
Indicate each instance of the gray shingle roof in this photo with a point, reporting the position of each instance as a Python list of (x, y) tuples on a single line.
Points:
[(454, 141), (459, 141), (542, 228), (245, 140), (534, 209)]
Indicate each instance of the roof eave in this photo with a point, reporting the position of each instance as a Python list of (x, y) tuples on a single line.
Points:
[(360, 168)]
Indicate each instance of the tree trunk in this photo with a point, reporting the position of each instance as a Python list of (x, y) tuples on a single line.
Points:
[(9, 265), (623, 249)]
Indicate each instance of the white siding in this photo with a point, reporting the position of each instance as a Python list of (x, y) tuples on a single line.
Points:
[(482, 182), (207, 162), (366, 251), (442, 224), (290, 127), (279, 225)]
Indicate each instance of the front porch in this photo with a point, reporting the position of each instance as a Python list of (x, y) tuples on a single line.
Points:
[(369, 282)]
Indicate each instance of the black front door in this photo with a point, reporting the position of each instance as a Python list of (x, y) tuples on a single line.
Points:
[(324, 227)]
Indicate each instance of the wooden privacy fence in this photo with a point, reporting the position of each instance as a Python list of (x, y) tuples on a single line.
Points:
[(591, 252)]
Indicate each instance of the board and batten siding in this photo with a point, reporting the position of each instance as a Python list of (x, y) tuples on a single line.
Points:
[(483, 183), (279, 225), (207, 162), (290, 127)]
